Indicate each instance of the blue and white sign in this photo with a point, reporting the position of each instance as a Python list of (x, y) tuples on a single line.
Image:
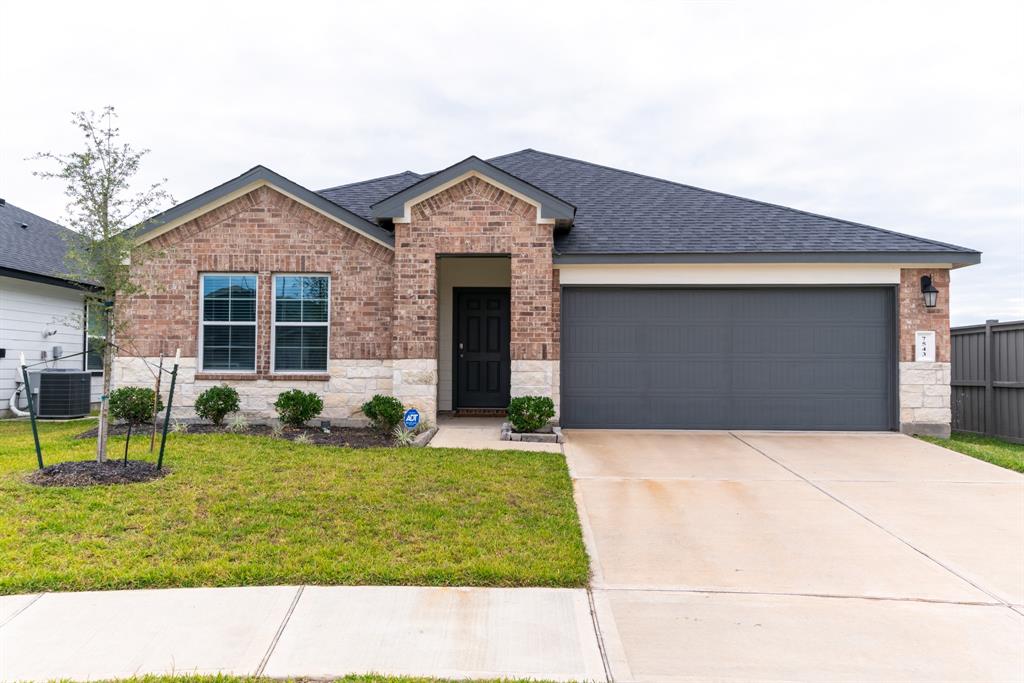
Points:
[(412, 418)]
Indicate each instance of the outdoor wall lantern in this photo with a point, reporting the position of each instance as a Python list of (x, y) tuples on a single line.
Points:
[(931, 295)]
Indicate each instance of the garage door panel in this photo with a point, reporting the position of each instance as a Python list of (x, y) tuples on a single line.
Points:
[(839, 339), (699, 374), (784, 358), (608, 375), (673, 339), (615, 337), (816, 377)]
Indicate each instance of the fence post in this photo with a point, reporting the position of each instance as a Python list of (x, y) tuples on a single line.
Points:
[(31, 412), (990, 402)]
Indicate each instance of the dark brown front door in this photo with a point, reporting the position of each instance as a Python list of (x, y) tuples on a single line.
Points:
[(481, 347)]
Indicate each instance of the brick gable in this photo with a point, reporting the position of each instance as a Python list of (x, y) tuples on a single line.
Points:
[(474, 217), (263, 232)]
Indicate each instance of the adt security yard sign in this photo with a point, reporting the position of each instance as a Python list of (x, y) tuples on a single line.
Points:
[(412, 418)]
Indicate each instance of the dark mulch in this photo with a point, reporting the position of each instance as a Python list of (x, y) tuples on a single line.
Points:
[(92, 473), (353, 437)]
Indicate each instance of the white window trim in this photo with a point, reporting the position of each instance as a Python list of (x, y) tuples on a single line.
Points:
[(255, 323), (274, 324)]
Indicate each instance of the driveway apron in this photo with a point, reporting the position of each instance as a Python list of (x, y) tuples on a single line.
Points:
[(800, 556)]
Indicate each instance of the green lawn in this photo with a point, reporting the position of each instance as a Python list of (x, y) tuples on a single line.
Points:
[(242, 510), (995, 451)]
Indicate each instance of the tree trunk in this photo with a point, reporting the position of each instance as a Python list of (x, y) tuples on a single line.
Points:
[(104, 423)]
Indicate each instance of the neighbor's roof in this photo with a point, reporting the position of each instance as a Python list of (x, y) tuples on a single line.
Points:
[(621, 215), (31, 246)]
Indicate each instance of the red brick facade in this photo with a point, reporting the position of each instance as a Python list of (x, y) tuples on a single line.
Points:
[(263, 232), (384, 303), (474, 217), (915, 316)]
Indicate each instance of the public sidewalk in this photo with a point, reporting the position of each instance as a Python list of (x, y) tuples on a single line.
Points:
[(310, 631)]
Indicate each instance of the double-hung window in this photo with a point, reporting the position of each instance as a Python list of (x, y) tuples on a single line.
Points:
[(301, 321), (95, 336), (228, 331)]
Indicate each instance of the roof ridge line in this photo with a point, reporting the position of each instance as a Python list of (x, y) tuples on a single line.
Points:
[(752, 201), (370, 180)]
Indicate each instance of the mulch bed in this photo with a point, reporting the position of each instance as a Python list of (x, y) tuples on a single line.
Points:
[(92, 473), (353, 437)]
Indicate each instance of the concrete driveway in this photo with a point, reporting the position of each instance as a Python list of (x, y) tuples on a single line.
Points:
[(800, 556)]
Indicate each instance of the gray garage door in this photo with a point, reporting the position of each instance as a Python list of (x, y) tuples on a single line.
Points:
[(775, 358)]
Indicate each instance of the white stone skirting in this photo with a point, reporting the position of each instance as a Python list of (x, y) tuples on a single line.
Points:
[(352, 382), (536, 378), (414, 381), (925, 398)]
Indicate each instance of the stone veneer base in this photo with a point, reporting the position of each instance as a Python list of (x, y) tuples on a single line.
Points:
[(925, 398), (537, 378), (349, 384), (414, 382)]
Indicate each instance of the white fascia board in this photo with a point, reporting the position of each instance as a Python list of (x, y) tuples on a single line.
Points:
[(732, 274)]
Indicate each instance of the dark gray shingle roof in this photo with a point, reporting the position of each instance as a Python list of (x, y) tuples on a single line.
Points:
[(359, 197), (623, 213), (37, 249)]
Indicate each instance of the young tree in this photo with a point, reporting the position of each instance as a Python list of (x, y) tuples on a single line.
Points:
[(102, 210)]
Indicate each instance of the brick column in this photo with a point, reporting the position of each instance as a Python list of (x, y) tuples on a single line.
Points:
[(924, 396), (414, 326)]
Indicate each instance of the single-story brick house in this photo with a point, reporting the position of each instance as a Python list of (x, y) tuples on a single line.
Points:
[(633, 302)]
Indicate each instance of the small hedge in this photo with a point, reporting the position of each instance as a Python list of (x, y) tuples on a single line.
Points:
[(216, 402), (384, 412), (133, 405), (530, 413), (296, 407)]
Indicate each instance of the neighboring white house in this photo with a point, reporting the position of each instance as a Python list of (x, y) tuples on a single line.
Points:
[(41, 311)]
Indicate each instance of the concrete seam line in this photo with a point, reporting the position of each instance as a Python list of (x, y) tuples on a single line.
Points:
[(600, 637), (589, 540), (280, 631), (30, 603), (822, 596), (863, 516)]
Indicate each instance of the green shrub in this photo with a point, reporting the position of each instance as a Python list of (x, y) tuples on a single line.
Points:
[(530, 413), (216, 402), (296, 407), (385, 412), (133, 405)]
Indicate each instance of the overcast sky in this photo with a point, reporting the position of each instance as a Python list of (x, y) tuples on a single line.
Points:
[(908, 116)]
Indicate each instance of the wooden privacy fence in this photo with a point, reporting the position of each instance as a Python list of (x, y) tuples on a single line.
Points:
[(988, 379)]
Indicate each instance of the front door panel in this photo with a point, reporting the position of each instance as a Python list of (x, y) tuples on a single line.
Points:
[(482, 338)]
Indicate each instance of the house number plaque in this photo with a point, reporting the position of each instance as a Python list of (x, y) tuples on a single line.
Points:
[(924, 347)]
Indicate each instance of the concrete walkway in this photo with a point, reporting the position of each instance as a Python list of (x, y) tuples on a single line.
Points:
[(482, 432), (312, 631), (800, 557)]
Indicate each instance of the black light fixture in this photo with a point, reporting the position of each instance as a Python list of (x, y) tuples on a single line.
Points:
[(931, 295)]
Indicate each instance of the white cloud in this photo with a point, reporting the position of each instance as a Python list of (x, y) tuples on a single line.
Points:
[(903, 115)]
